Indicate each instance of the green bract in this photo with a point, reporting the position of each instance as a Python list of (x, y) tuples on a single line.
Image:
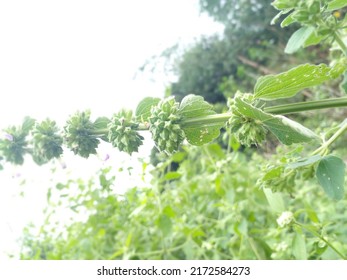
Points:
[(46, 142), (79, 134), (164, 125), (122, 132), (247, 131)]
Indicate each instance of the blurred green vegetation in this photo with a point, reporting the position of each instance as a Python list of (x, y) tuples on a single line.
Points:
[(209, 208)]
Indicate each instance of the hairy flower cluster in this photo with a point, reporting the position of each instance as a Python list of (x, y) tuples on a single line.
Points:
[(164, 125), (278, 179), (79, 134), (46, 142), (14, 145), (122, 133), (285, 219), (247, 131)]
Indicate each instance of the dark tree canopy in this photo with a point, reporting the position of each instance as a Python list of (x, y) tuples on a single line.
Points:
[(217, 66)]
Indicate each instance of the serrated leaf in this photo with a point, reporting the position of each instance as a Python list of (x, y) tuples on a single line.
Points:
[(331, 176), (286, 130), (204, 134), (336, 4), (289, 83), (298, 38), (304, 162), (143, 110), (191, 107)]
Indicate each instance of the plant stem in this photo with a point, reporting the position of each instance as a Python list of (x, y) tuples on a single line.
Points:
[(307, 106), (206, 120), (331, 140), (340, 42), (315, 233), (279, 109)]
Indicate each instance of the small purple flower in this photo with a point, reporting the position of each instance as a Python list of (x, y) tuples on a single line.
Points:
[(63, 165), (8, 136), (107, 156)]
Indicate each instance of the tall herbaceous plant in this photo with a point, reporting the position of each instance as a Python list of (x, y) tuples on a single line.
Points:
[(249, 121)]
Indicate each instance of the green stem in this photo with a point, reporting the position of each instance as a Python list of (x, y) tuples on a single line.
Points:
[(315, 233), (340, 42), (337, 134), (104, 131), (307, 106), (279, 109), (211, 119)]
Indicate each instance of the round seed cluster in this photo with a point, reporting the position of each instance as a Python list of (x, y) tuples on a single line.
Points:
[(79, 136), (46, 142), (164, 125), (122, 133), (247, 131)]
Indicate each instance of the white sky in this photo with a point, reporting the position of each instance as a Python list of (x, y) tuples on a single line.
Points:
[(57, 57)]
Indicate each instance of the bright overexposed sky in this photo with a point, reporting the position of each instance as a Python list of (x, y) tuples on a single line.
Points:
[(57, 57)]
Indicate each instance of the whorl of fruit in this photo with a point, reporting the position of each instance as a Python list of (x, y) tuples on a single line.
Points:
[(79, 134), (164, 125), (247, 131), (46, 142), (122, 133)]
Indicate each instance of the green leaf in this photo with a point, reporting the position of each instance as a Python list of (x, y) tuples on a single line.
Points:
[(336, 4), (288, 20), (178, 157), (172, 176), (304, 162), (289, 83), (143, 110), (331, 176), (28, 124), (275, 200), (164, 223), (101, 123), (193, 106), (313, 39), (298, 38), (276, 17), (286, 130), (60, 186), (283, 4), (274, 172), (299, 246), (168, 211)]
